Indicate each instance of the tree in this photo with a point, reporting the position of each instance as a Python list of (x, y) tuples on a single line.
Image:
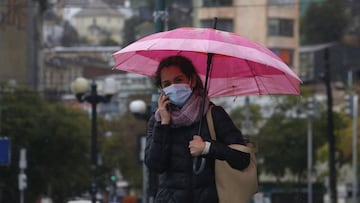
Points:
[(129, 30), (70, 36), (57, 141), (344, 136), (108, 41), (282, 139), (238, 116), (65, 140), (279, 135), (324, 22), (121, 149)]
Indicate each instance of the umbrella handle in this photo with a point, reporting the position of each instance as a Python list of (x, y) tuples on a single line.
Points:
[(196, 170)]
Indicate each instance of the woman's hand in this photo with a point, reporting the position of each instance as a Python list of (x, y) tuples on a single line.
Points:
[(163, 102), (196, 146)]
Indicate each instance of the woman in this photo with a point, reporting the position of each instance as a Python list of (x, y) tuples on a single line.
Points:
[(172, 140)]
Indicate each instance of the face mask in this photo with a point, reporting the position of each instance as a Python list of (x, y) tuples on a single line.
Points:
[(178, 93)]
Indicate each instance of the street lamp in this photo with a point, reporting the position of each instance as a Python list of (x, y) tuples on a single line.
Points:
[(80, 87), (150, 179), (141, 111)]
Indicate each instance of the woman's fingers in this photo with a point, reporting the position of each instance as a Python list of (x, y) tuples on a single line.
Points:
[(163, 101), (196, 146)]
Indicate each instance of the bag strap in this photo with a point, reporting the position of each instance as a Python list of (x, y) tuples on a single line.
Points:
[(210, 122)]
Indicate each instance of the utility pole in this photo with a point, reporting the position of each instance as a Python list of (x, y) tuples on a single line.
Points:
[(331, 137), (310, 116), (351, 109), (355, 142)]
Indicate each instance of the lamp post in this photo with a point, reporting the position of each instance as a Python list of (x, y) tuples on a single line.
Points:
[(80, 87), (141, 111), (150, 179)]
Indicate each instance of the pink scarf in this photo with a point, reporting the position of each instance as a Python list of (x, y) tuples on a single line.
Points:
[(188, 114)]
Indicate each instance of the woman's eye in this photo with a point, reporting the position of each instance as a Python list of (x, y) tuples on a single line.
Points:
[(179, 80)]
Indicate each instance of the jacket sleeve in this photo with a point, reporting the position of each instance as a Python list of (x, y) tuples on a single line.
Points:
[(227, 133), (157, 150)]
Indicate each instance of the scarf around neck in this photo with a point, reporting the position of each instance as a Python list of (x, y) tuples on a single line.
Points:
[(188, 114)]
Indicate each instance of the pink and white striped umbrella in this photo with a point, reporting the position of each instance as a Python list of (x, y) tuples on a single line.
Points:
[(239, 66)]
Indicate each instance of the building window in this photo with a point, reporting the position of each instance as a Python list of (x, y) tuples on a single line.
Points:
[(284, 3), (216, 3), (222, 24), (280, 27), (287, 55)]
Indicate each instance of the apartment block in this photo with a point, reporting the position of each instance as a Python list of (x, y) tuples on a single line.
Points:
[(271, 23)]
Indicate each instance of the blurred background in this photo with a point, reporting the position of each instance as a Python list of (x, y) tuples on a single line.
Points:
[(72, 128)]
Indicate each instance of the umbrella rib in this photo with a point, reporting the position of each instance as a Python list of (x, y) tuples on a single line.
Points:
[(254, 76), (289, 79)]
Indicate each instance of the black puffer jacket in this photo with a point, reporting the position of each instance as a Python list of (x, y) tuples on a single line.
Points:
[(168, 154)]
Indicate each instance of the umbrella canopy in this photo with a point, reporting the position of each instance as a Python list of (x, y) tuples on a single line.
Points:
[(239, 66)]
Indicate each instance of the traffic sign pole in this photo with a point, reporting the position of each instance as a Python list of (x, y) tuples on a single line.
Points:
[(22, 176)]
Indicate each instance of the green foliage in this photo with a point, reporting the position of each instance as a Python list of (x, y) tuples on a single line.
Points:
[(324, 22), (121, 149), (57, 139), (346, 138), (343, 136), (281, 144), (238, 116), (57, 142), (65, 140), (108, 42), (83, 40), (282, 139), (129, 30)]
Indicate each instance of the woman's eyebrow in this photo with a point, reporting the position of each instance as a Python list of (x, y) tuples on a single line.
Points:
[(180, 77)]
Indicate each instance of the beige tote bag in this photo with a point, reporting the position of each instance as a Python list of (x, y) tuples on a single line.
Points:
[(234, 186)]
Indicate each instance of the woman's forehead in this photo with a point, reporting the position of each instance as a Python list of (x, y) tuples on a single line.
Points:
[(171, 71)]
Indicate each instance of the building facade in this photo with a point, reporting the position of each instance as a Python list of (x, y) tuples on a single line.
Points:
[(19, 42), (98, 22), (271, 23), (62, 65)]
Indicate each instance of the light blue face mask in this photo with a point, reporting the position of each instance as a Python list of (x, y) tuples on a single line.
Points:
[(178, 93)]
